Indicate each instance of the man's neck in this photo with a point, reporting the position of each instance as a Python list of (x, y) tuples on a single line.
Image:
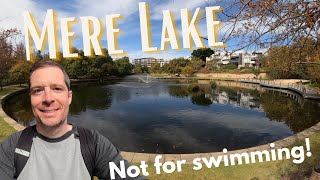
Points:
[(54, 132)]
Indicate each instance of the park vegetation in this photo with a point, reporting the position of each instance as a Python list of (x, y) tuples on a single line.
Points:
[(289, 29), (294, 61)]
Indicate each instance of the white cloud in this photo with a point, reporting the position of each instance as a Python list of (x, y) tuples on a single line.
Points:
[(174, 6), (100, 8), (12, 13), (166, 55)]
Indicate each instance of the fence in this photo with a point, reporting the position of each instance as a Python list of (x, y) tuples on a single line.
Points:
[(297, 87)]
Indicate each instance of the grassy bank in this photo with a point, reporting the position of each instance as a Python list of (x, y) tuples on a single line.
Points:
[(5, 128), (9, 89), (279, 169)]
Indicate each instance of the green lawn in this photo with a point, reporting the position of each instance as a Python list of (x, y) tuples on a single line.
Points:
[(6, 129), (314, 85), (280, 169)]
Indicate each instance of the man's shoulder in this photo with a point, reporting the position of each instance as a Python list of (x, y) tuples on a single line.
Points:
[(89, 133), (13, 138), (84, 131)]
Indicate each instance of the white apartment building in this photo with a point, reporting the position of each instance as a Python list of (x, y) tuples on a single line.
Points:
[(148, 61), (240, 58)]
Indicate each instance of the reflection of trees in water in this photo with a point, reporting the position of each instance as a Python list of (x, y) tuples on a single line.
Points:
[(19, 107), (232, 92), (205, 95), (178, 91), (297, 116), (197, 93), (200, 99), (90, 96), (277, 108)]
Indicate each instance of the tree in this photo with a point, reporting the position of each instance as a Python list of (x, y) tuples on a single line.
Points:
[(314, 73), (268, 23), (155, 68), (313, 68), (107, 69), (202, 53), (105, 58), (280, 62), (77, 68), (175, 65), (20, 52), (37, 56), (7, 58), (294, 61), (138, 69), (197, 63), (94, 72), (20, 72), (99, 65), (123, 66), (188, 71)]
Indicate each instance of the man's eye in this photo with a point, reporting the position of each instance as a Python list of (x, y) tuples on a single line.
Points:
[(57, 89), (37, 91)]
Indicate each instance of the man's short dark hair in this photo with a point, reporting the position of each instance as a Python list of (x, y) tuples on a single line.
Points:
[(49, 63)]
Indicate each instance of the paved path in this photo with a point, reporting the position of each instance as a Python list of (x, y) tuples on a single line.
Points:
[(306, 92)]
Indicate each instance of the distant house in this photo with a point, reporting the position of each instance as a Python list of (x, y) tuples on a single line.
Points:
[(240, 58), (148, 61)]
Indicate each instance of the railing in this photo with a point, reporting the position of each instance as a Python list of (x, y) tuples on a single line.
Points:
[(297, 87)]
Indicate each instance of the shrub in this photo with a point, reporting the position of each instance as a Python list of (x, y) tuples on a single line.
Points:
[(229, 66), (205, 70), (187, 71), (213, 84)]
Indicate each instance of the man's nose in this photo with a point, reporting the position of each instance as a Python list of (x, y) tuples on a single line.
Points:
[(48, 96)]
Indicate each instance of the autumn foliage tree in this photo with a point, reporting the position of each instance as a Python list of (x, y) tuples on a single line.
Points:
[(267, 23), (19, 73), (294, 61), (8, 55), (155, 68), (291, 29)]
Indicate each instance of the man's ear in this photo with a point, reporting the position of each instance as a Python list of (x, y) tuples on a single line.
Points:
[(70, 96)]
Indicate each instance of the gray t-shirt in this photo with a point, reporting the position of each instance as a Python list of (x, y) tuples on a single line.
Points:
[(52, 159), (59, 158)]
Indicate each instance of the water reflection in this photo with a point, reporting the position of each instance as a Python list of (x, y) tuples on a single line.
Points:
[(203, 95), (90, 96), (181, 116)]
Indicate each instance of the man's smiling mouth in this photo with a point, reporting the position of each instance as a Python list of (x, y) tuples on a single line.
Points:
[(49, 111)]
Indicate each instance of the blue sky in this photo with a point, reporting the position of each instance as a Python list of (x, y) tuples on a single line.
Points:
[(129, 40)]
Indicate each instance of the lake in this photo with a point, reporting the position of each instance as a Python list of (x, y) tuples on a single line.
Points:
[(182, 116)]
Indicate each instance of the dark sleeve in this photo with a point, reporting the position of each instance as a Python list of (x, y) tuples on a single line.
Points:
[(106, 153), (7, 148)]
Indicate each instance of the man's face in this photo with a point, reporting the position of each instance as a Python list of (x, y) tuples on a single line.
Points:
[(50, 97)]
